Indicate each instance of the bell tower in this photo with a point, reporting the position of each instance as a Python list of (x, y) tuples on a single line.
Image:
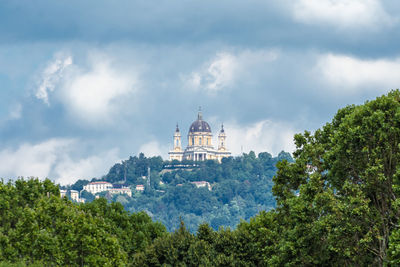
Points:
[(177, 139), (176, 153), (222, 139)]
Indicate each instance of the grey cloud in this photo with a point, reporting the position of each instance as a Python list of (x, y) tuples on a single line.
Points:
[(158, 45)]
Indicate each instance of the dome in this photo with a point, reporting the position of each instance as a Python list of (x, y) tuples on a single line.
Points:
[(199, 125)]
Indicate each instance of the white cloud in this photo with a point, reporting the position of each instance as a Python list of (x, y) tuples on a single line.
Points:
[(343, 14), (223, 70), (262, 136), (51, 76), (68, 170), (92, 93), (215, 75), (350, 73), (153, 148), (53, 159), (32, 159)]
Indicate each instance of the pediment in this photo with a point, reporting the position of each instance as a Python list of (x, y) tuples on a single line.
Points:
[(201, 149)]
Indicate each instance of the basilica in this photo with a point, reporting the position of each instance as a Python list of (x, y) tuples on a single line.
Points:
[(199, 143)]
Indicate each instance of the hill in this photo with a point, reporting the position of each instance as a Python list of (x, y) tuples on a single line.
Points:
[(337, 204), (237, 188)]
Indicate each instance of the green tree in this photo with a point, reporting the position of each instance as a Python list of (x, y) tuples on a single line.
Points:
[(38, 227), (337, 200)]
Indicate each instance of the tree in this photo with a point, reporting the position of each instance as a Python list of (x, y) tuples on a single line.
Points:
[(344, 186), (78, 185), (38, 227)]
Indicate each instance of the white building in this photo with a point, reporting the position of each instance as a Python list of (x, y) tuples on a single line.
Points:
[(139, 187), (97, 187), (202, 184), (123, 190), (63, 193), (200, 145), (74, 195)]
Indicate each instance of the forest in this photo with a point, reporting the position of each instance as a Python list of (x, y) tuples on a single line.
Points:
[(336, 205), (241, 187)]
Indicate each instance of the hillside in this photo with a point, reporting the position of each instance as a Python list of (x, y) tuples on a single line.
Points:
[(337, 204), (238, 188)]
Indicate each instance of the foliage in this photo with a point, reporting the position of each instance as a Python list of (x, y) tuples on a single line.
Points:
[(241, 187), (134, 169), (337, 203), (38, 227)]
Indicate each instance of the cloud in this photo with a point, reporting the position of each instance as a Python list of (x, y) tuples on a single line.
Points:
[(91, 92), (223, 70), (95, 94), (215, 75), (354, 74), (55, 159), (51, 76), (343, 14), (68, 170), (32, 159), (153, 148), (261, 136)]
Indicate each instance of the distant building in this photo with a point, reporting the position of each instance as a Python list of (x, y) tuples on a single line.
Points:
[(123, 190), (139, 187), (74, 195), (97, 187), (102, 186), (199, 146), (202, 184), (63, 193)]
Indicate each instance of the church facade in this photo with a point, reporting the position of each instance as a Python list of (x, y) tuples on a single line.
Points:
[(200, 145)]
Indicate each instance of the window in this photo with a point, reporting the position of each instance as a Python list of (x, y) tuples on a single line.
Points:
[(192, 141), (199, 140)]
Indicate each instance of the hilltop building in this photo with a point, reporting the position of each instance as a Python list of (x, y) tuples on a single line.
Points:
[(121, 191), (199, 146), (101, 186), (75, 196), (97, 187), (63, 193), (140, 187)]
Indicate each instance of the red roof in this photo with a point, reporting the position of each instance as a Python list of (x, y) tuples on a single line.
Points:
[(119, 189), (101, 182)]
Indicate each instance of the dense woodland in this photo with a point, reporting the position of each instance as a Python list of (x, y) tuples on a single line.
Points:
[(241, 187), (336, 205)]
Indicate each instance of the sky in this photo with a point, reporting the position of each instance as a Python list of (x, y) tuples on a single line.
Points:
[(86, 84)]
